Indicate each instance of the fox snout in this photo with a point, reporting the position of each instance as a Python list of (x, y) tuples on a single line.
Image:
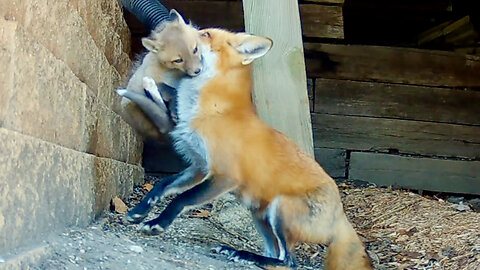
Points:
[(195, 69)]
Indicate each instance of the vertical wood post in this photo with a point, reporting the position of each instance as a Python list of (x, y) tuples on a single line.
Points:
[(280, 87)]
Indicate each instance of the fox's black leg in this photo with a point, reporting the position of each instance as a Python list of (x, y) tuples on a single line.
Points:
[(265, 230), (276, 222), (262, 261), (199, 194), (157, 115), (270, 225), (168, 185)]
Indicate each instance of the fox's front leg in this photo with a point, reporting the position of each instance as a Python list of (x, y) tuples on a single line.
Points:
[(202, 193), (169, 185)]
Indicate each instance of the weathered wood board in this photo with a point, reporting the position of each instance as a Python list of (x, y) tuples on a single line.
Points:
[(280, 87), (409, 102), (330, 2), (393, 65), (333, 161), (322, 21), (379, 134), (317, 20), (416, 173), (224, 14)]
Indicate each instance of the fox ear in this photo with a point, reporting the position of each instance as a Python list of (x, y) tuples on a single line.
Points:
[(175, 16), (252, 47), (151, 45)]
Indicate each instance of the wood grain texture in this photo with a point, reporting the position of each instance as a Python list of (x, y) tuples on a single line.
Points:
[(393, 65), (397, 101), (279, 77), (336, 2), (416, 173), (333, 161), (317, 20), (204, 13), (413, 137), (322, 21)]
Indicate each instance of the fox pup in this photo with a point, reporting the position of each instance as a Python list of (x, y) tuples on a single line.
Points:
[(291, 198), (172, 53)]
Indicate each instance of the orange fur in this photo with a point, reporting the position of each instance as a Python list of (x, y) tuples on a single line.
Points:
[(265, 164)]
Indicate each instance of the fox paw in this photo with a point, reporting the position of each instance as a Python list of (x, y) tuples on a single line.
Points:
[(150, 228), (122, 91), (231, 253), (134, 218), (149, 84)]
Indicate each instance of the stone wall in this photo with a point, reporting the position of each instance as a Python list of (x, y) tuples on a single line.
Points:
[(64, 152)]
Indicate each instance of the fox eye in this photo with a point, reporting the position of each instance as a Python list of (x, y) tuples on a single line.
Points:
[(178, 61), (206, 34), (195, 50)]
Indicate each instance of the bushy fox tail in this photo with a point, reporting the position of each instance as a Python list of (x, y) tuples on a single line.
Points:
[(346, 251)]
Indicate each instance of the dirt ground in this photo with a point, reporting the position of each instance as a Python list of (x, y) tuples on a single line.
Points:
[(402, 230)]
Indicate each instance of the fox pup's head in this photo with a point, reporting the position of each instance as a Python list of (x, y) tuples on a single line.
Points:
[(235, 49), (175, 43)]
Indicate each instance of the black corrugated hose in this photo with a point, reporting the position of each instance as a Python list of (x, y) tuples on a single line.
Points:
[(149, 12)]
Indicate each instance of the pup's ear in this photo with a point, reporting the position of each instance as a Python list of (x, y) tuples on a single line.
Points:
[(251, 47), (151, 45), (175, 16)]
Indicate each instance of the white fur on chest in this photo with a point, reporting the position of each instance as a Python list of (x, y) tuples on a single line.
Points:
[(187, 141)]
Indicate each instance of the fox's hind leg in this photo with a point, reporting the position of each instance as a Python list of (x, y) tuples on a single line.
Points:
[(273, 231), (155, 113), (151, 89)]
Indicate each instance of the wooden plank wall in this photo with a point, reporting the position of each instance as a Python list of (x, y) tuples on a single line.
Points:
[(404, 117)]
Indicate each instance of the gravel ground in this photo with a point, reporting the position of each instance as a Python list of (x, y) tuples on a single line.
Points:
[(111, 243), (401, 229)]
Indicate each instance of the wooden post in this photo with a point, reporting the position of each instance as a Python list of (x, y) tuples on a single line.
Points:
[(280, 92)]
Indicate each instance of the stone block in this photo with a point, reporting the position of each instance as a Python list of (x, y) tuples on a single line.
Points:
[(115, 138), (45, 99), (60, 28), (114, 178), (44, 188), (7, 47)]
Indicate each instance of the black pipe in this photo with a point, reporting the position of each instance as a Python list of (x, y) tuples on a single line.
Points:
[(149, 12)]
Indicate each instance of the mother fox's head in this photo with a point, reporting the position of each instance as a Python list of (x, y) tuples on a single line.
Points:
[(235, 49)]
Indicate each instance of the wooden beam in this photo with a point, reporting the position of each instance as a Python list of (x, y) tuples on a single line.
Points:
[(279, 78), (318, 20), (333, 161), (446, 105), (328, 2), (416, 173), (394, 65), (403, 136)]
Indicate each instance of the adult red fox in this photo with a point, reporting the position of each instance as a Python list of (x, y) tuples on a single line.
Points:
[(292, 199)]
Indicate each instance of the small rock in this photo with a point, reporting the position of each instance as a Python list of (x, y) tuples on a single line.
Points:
[(455, 200), (119, 206), (2, 260), (461, 207), (475, 204), (137, 249)]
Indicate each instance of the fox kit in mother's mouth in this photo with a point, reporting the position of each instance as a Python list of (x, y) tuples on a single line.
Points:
[(173, 53), (291, 198)]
